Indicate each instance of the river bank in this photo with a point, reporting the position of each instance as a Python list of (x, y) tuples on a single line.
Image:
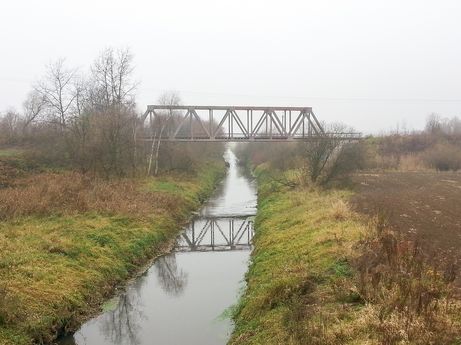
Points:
[(302, 240), (63, 256), (321, 274), (191, 287)]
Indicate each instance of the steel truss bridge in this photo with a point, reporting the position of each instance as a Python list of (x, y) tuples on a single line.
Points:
[(217, 234), (235, 123)]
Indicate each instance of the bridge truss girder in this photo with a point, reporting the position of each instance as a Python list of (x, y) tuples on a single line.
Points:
[(236, 123), (217, 234)]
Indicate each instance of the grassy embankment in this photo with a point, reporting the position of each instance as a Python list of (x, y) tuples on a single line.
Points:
[(66, 241), (303, 285)]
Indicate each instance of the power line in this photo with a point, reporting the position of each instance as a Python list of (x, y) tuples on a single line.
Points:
[(340, 99)]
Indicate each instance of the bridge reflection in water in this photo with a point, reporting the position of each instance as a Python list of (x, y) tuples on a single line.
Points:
[(216, 234)]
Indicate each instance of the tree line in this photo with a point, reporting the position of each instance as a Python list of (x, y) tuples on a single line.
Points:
[(323, 162), (90, 121)]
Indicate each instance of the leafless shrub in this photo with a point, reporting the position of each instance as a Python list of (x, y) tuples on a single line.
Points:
[(322, 160), (331, 158), (436, 147), (397, 145), (443, 157), (437, 125)]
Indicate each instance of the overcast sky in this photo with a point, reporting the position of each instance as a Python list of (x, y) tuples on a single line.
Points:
[(371, 64)]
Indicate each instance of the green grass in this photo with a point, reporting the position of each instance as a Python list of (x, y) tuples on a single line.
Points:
[(10, 152), (186, 186), (57, 270), (303, 241)]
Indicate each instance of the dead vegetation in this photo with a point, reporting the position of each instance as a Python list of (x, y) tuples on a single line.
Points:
[(443, 157), (387, 291), (438, 147), (438, 154), (73, 193), (331, 162), (322, 273), (409, 269), (340, 210), (320, 162), (409, 296)]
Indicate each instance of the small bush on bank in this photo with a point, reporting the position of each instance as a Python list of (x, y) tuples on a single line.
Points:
[(444, 157)]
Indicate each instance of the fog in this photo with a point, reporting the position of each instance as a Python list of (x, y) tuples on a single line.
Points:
[(375, 65)]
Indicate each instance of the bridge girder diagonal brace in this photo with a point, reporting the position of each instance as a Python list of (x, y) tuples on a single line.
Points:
[(235, 123)]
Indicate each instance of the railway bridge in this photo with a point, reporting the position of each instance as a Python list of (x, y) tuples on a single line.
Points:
[(236, 124), (218, 233)]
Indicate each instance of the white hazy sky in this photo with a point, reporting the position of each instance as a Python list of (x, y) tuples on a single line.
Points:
[(371, 64)]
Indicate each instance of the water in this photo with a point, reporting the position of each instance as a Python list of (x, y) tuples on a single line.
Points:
[(183, 296)]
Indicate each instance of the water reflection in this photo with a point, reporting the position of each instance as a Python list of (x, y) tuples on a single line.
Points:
[(171, 279), (180, 299), (217, 234), (122, 325)]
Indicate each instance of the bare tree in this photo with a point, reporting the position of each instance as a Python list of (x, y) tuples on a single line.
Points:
[(111, 76), (57, 89), (107, 117), (89, 121), (433, 123), (159, 125), (33, 108), (9, 123)]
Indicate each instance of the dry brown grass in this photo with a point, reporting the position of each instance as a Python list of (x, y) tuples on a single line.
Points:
[(73, 193), (340, 210), (443, 157), (415, 152), (409, 295), (412, 162), (12, 168)]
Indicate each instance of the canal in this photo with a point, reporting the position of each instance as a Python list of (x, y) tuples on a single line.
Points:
[(183, 297)]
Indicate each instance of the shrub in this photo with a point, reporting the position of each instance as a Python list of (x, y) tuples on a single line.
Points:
[(340, 210), (443, 157)]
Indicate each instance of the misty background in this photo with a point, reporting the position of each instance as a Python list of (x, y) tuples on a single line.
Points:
[(373, 65)]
